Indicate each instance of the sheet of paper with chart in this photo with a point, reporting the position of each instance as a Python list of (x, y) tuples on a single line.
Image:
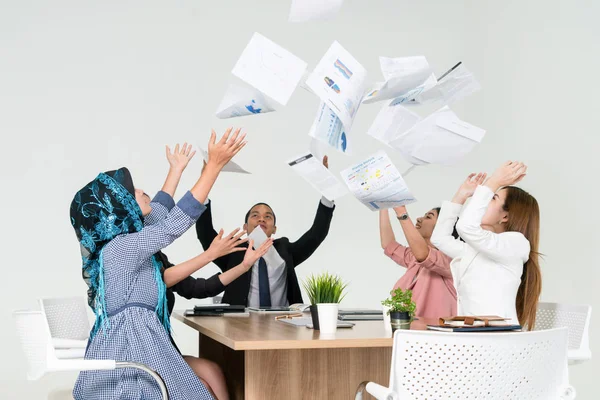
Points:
[(229, 167), (309, 10), (377, 184), (405, 78), (240, 101), (441, 138), (314, 172), (328, 129), (269, 68), (339, 82), (455, 84)]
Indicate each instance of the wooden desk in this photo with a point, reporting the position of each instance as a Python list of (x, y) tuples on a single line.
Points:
[(267, 359)]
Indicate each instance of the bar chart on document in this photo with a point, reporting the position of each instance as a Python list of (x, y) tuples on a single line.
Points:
[(377, 183)]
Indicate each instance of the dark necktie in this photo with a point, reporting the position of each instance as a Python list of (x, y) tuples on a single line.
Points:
[(264, 292)]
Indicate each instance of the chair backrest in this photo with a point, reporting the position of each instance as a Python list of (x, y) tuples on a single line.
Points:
[(35, 340), (575, 317), (67, 317), (515, 365)]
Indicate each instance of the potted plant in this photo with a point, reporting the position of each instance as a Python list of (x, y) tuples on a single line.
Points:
[(325, 292), (401, 308)]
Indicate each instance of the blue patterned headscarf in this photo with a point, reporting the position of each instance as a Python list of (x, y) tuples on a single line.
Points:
[(100, 211)]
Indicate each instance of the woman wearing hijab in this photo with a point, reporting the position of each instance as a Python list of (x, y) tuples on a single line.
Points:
[(118, 239)]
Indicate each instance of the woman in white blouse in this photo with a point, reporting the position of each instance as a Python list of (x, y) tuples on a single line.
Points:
[(496, 269)]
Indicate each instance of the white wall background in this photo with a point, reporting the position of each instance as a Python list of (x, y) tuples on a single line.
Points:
[(87, 86)]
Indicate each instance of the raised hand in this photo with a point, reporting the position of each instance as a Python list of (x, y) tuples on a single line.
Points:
[(252, 255), (179, 159), (223, 245), (326, 162), (507, 174), (400, 210), (467, 188), (221, 152)]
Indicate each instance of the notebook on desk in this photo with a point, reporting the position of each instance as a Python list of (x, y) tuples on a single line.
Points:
[(360, 315), (271, 309), (476, 328), (473, 320), (214, 310)]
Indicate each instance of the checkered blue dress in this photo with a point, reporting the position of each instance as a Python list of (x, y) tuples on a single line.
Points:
[(135, 333)]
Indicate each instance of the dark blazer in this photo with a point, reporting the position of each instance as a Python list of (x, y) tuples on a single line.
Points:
[(293, 253), (190, 287)]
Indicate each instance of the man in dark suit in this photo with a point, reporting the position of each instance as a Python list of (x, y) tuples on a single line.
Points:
[(272, 281)]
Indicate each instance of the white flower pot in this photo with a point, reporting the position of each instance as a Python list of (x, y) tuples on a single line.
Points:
[(328, 317)]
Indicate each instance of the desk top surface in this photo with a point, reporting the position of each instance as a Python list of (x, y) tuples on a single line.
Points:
[(263, 332)]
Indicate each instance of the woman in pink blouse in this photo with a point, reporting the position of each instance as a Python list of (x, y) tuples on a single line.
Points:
[(427, 269)]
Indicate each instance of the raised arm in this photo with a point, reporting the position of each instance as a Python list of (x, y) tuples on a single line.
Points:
[(442, 234), (304, 247), (154, 238), (250, 258), (501, 247), (161, 205), (204, 227), (190, 287), (200, 288), (442, 237), (221, 245), (219, 154), (386, 233), (394, 250), (417, 244), (178, 161)]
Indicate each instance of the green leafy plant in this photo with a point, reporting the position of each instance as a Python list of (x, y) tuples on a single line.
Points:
[(324, 288), (400, 301)]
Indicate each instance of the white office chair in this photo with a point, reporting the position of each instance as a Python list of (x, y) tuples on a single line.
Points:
[(35, 339), (576, 318), (67, 319), (439, 365)]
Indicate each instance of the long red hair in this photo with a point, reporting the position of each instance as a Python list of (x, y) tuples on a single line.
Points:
[(524, 216)]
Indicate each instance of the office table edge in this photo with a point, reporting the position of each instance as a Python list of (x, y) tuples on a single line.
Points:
[(334, 343)]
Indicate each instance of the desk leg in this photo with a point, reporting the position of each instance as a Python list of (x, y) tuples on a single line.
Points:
[(313, 373), (230, 361)]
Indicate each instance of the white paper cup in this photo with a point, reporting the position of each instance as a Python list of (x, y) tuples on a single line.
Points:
[(328, 317)]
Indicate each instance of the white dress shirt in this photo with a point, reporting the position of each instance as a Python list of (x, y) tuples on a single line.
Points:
[(487, 266), (277, 285)]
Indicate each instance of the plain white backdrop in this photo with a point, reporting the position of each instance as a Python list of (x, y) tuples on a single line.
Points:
[(88, 85)]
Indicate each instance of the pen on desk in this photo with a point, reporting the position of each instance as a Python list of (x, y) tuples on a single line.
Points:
[(450, 70), (288, 316)]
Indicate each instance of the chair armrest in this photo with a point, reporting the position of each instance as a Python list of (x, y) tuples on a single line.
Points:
[(577, 356), (65, 354), (69, 343), (381, 392)]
